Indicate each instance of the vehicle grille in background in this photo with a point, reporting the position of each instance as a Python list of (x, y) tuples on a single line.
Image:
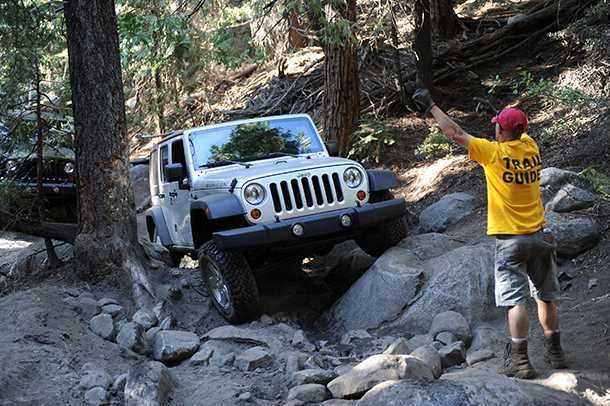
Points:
[(312, 191)]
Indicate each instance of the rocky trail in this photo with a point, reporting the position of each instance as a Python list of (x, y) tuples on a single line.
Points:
[(417, 325)]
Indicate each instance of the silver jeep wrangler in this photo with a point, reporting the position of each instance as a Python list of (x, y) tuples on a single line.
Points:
[(243, 194)]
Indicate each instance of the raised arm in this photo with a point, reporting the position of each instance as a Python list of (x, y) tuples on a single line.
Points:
[(449, 127)]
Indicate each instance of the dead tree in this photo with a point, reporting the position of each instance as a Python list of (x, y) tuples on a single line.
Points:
[(341, 110), (423, 44), (106, 243), (445, 23)]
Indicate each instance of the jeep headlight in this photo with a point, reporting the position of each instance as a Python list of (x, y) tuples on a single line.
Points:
[(352, 177), (11, 166), (254, 193), (69, 168)]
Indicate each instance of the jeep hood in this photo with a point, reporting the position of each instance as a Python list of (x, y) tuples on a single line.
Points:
[(221, 178)]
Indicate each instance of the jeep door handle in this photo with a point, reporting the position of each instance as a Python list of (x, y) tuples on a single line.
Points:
[(173, 194), (161, 195)]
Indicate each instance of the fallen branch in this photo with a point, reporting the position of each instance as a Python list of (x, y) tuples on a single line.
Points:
[(56, 231)]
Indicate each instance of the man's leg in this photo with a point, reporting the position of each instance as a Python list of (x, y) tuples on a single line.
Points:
[(548, 316), (511, 286), (518, 323), (549, 320), (544, 286)]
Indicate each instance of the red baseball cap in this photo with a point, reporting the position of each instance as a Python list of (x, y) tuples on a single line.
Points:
[(510, 118)]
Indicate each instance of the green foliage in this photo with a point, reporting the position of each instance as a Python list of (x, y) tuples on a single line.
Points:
[(599, 180), (334, 29), (435, 145), (575, 105), (31, 42), (368, 140)]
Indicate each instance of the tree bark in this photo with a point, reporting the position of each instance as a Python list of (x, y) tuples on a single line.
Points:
[(341, 110), (106, 244), (445, 23), (423, 44)]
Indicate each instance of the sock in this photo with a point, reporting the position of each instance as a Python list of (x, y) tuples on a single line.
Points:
[(548, 333), (518, 340)]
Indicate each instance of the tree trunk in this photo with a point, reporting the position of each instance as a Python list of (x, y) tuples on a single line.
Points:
[(423, 44), (445, 23), (341, 110), (106, 244), (296, 39)]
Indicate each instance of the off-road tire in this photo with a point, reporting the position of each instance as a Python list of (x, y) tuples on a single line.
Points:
[(376, 240), (240, 281)]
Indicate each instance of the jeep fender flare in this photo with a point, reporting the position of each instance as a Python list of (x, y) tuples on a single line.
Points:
[(218, 205), (380, 179), (209, 209), (156, 221)]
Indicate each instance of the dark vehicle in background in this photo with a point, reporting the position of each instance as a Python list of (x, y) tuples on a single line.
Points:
[(18, 170)]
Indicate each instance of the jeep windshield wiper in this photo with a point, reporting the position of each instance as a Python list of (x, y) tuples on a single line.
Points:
[(274, 154), (223, 162)]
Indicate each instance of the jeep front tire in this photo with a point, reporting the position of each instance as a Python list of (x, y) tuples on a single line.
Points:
[(230, 282), (376, 240)]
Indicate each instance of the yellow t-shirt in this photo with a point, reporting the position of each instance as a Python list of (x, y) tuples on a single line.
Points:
[(512, 170)]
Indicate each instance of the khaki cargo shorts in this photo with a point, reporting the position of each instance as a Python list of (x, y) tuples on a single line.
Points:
[(525, 264)]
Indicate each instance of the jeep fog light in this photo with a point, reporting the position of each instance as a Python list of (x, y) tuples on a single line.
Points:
[(69, 168), (346, 220), (11, 166), (254, 194), (298, 230), (352, 177)]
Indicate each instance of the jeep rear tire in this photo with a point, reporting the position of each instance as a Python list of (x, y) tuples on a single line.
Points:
[(376, 240), (230, 282)]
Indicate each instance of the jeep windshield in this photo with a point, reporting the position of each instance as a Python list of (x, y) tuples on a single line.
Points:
[(225, 145)]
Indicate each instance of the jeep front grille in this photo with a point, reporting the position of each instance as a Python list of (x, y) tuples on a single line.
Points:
[(306, 192)]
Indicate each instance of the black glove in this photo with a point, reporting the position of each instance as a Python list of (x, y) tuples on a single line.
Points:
[(423, 100)]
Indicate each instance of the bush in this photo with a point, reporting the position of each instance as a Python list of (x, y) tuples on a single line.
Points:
[(435, 145), (368, 141)]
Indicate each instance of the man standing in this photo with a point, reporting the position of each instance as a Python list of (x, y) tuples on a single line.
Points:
[(525, 253)]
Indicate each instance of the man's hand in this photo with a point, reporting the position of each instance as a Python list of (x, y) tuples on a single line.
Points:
[(423, 100)]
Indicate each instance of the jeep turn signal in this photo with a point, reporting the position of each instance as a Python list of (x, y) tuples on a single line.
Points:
[(255, 214), (361, 195)]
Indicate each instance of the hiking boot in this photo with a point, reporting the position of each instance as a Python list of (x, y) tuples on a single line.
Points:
[(516, 361), (553, 353)]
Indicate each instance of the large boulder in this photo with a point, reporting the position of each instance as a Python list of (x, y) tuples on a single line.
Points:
[(570, 198), (553, 179), (375, 369), (466, 388), (394, 281), (449, 210), (141, 187), (574, 234), (421, 277), (347, 259)]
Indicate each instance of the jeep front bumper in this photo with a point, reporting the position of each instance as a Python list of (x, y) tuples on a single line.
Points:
[(314, 227)]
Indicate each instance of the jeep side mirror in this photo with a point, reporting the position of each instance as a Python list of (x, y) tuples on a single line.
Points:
[(332, 147), (175, 172)]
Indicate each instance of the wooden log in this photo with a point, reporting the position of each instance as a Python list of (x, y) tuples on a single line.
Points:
[(56, 231)]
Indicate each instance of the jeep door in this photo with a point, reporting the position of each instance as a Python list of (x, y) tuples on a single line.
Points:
[(178, 195)]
